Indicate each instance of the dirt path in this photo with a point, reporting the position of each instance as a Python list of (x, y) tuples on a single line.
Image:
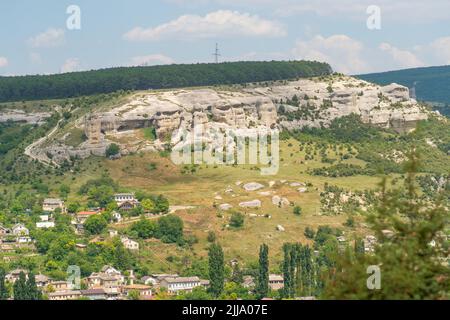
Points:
[(33, 151)]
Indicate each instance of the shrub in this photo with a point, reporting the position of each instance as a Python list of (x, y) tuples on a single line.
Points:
[(236, 220)]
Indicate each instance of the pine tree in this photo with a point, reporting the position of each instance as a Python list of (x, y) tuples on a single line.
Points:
[(216, 269), (4, 295), (262, 284), (20, 288)]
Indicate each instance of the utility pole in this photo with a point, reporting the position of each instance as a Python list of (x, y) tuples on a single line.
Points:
[(217, 54)]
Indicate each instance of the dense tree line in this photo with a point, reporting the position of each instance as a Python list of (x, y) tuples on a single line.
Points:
[(155, 77)]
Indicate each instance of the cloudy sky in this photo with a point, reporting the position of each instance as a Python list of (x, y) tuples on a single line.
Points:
[(35, 38)]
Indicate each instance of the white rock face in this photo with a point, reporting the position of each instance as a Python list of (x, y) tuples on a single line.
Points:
[(253, 186), (250, 204), (280, 228), (302, 190), (175, 111), (280, 202), (225, 207), (21, 116)]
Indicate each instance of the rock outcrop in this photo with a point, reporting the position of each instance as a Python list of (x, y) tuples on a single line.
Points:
[(288, 105)]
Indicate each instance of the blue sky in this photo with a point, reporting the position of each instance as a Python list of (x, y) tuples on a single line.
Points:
[(34, 38)]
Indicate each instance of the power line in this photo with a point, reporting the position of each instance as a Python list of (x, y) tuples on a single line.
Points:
[(217, 54)]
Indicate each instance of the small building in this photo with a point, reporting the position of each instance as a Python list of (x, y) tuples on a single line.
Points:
[(125, 201), (23, 240), (4, 231), (13, 276), (65, 295), (45, 225), (276, 282), (84, 215), (129, 244), (113, 233), (60, 285), (50, 205), (180, 284), (94, 294), (142, 289), (117, 217), (20, 230), (41, 280), (80, 246)]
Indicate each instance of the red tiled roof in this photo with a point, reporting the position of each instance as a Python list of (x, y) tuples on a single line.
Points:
[(86, 213)]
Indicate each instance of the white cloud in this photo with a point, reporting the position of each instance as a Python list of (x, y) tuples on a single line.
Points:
[(413, 11), (50, 38), (3, 62), (152, 59), (441, 50), (214, 24), (343, 53), (402, 58), (70, 65)]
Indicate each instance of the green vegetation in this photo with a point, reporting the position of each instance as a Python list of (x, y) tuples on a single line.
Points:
[(112, 150), (156, 77), (432, 83), (237, 220), (262, 283), (216, 269), (411, 266)]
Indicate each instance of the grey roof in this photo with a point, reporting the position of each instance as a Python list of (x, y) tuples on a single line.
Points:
[(182, 279), (93, 292)]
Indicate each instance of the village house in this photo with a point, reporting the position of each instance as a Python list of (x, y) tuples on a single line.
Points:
[(20, 230), (84, 215), (113, 233), (50, 205), (65, 295), (4, 231), (143, 290), (180, 284), (276, 282), (109, 278), (42, 280), (45, 223), (23, 240), (59, 285), (129, 244), (125, 201), (94, 294), (117, 217), (13, 276), (155, 279)]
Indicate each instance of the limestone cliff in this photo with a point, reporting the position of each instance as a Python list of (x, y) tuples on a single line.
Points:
[(284, 105)]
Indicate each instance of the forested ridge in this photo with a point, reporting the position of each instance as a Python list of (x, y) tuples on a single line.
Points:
[(68, 85)]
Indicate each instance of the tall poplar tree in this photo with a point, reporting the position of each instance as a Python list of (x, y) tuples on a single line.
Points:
[(3, 290), (216, 269), (262, 284)]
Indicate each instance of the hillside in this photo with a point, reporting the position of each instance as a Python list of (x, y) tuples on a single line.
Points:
[(431, 84), (340, 136), (77, 84)]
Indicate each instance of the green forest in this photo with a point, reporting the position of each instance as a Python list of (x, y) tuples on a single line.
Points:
[(68, 85)]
